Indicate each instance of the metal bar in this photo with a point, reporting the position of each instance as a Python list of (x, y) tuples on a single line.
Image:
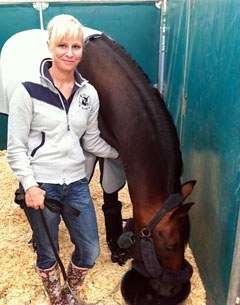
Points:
[(40, 6), (75, 1), (163, 7), (184, 97)]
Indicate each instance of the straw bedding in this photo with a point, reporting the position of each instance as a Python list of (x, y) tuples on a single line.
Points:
[(20, 285)]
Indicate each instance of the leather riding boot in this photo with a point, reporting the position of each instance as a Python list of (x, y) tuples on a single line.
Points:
[(51, 282), (112, 209), (75, 279)]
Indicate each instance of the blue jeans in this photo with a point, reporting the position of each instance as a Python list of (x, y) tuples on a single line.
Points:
[(83, 229)]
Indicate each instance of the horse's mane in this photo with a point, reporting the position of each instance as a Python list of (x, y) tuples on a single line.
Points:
[(143, 83), (163, 122), (154, 105)]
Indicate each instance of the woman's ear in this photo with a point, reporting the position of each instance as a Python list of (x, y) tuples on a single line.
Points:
[(48, 45)]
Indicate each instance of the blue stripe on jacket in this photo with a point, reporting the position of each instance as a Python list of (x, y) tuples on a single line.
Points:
[(43, 94)]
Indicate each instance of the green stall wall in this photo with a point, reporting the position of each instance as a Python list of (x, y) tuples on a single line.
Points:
[(202, 81), (133, 25), (201, 89)]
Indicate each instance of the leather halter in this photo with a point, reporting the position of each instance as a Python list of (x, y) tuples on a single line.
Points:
[(173, 201), (150, 266)]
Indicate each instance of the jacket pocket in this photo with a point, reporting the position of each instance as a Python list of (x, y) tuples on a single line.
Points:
[(40, 145)]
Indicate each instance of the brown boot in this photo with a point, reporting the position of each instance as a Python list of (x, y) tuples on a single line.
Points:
[(51, 282), (76, 278)]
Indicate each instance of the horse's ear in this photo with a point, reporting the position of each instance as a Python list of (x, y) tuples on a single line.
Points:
[(186, 188), (182, 210)]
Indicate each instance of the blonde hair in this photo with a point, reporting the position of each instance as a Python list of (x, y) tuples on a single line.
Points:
[(63, 26)]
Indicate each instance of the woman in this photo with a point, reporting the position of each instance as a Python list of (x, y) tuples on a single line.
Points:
[(52, 119)]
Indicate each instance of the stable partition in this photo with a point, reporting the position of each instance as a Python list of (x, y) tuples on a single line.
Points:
[(202, 91), (133, 24)]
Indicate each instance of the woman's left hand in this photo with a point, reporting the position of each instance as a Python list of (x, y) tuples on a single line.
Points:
[(35, 197)]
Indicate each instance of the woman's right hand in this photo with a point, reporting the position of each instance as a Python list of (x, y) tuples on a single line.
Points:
[(34, 197)]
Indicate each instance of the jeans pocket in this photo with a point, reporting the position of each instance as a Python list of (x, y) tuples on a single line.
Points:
[(41, 185)]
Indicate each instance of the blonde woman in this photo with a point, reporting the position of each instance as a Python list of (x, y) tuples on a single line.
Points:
[(52, 120)]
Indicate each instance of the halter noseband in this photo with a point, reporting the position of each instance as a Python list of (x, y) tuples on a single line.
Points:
[(128, 238), (150, 266)]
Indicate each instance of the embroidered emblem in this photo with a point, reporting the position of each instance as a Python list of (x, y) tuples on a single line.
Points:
[(84, 101)]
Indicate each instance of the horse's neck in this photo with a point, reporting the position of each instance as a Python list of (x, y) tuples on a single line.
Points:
[(138, 119)]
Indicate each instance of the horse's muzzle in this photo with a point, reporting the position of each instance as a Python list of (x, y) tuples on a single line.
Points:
[(136, 289)]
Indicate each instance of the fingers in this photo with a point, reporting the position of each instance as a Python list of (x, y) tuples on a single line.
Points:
[(35, 197)]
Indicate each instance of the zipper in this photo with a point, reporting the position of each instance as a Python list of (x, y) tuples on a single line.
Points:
[(67, 117), (68, 129), (68, 126)]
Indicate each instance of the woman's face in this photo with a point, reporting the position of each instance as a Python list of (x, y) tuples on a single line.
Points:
[(67, 53)]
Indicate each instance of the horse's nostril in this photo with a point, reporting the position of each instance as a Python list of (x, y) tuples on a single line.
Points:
[(175, 290), (165, 289)]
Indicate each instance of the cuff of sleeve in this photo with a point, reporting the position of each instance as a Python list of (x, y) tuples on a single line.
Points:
[(28, 182), (114, 153)]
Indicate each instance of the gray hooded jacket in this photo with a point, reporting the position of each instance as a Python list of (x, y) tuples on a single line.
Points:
[(47, 136)]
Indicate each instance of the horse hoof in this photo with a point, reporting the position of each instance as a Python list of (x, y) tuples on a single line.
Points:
[(120, 256)]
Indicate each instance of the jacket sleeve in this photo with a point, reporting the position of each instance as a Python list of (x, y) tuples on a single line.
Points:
[(19, 121), (92, 141)]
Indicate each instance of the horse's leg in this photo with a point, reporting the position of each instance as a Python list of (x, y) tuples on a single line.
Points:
[(113, 219), (112, 209)]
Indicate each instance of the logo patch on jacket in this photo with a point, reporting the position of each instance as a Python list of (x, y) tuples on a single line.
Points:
[(84, 101)]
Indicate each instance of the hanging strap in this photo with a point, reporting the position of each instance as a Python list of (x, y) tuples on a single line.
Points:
[(54, 206), (58, 207)]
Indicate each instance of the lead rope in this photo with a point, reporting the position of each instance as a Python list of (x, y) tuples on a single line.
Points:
[(63, 269)]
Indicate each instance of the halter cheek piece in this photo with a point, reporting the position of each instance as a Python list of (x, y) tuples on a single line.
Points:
[(150, 266), (127, 239)]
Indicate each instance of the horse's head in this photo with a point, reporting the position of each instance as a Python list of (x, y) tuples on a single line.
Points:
[(158, 245)]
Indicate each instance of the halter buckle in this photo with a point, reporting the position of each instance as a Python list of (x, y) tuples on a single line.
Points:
[(145, 232)]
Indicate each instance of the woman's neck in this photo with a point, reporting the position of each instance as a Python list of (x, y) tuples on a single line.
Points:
[(60, 78), (63, 81)]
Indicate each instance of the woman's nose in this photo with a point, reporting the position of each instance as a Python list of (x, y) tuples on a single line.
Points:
[(69, 51)]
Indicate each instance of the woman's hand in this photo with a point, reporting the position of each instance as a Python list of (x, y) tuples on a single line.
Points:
[(34, 197)]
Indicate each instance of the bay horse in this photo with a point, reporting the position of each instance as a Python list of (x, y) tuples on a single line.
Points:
[(135, 120)]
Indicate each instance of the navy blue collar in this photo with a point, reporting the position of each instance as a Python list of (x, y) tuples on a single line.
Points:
[(44, 71)]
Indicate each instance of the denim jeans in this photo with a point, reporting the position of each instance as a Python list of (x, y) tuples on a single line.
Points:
[(83, 229)]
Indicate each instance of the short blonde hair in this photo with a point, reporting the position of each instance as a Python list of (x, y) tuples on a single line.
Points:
[(62, 26)]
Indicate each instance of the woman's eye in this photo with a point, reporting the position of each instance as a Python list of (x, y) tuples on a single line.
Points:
[(77, 47)]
